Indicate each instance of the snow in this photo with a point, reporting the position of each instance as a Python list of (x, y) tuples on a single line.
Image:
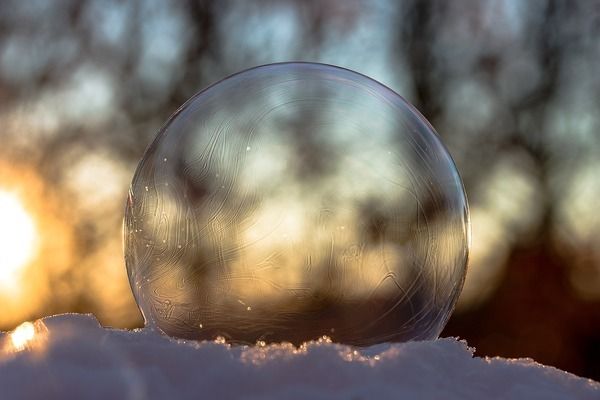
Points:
[(72, 356)]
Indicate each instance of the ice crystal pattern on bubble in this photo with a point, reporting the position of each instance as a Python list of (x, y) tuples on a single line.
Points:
[(292, 201)]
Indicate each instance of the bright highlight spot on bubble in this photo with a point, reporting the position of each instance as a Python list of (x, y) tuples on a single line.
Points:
[(17, 240), (22, 335)]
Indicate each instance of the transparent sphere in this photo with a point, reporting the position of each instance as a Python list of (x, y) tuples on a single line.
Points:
[(292, 201)]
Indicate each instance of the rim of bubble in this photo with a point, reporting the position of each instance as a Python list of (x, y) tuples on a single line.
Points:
[(410, 106)]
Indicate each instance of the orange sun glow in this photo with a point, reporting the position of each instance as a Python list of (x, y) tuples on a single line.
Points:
[(18, 237)]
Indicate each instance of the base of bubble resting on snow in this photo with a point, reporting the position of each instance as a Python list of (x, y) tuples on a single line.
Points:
[(72, 356)]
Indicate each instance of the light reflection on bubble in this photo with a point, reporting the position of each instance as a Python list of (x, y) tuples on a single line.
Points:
[(293, 201)]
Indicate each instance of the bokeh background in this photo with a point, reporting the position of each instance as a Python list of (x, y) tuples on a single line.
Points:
[(512, 87)]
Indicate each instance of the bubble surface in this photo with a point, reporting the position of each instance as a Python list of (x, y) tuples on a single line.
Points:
[(292, 201)]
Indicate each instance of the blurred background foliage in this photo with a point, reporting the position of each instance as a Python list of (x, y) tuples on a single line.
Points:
[(513, 88)]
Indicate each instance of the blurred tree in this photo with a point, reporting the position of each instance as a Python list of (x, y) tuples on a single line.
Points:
[(511, 86)]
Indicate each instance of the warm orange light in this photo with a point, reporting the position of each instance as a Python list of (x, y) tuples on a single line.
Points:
[(34, 222), (22, 335), (18, 238)]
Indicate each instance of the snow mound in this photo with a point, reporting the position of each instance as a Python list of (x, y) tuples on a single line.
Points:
[(72, 356)]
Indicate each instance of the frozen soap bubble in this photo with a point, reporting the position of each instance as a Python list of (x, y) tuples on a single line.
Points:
[(292, 201)]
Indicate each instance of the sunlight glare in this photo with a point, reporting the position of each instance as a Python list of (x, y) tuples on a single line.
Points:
[(22, 335), (17, 239)]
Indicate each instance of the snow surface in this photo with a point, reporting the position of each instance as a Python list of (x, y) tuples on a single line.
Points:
[(72, 356)]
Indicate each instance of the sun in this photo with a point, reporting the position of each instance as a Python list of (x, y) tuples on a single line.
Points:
[(18, 237)]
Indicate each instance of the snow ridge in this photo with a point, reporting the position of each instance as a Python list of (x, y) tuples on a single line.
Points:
[(72, 356)]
